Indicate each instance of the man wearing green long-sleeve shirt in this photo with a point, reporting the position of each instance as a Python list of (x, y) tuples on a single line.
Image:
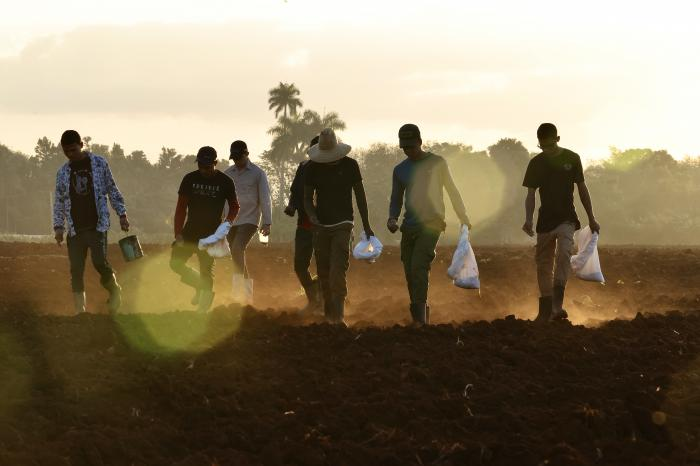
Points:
[(420, 180)]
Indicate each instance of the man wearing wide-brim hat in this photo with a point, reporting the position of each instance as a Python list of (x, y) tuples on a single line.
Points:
[(329, 181)]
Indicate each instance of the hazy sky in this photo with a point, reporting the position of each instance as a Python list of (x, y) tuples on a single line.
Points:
[(183, 73)]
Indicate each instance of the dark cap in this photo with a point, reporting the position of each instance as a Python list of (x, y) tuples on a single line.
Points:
[(206, 155), (238, 148), (409, 135)]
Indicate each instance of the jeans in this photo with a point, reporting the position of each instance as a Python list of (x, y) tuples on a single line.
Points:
[(303, 251), (202, 280), (418, 245), (238, 238), (553, 257), (78, 246)]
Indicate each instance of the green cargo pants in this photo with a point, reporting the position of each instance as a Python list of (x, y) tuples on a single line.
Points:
[(417, 254)]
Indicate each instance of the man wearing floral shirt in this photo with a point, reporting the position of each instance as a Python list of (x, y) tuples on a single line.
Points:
[(83, 185)]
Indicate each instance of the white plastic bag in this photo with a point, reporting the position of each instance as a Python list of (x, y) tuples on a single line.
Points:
[(367, 249), (217, 244), (586, 264), (464, 270)]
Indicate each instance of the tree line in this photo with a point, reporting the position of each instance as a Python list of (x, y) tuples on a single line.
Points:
[(641, 196)]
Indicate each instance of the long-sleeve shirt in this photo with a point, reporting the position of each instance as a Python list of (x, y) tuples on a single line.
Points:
[(421, 183), (104, 187), (296, 194), (253, 193)]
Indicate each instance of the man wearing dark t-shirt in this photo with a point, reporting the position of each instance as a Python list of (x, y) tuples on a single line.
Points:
[(554, 172), (201, 200), (330, 179), (303, 238)]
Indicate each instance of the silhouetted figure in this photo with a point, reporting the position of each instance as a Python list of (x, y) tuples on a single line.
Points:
[(82, 187), (420, 180), (253, 192), (200, 204), (303, 237), (554, 172), (329, 181)]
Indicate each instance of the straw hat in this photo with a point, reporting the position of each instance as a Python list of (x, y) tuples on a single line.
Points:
[(328, 148)]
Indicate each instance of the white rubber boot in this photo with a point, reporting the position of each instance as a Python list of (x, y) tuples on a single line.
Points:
[(237, 289), (248, 291)]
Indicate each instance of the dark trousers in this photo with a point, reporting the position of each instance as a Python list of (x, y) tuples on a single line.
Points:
[(202, 280), (78, 246), (238, 239), (332, 249), (303, 251), (417, 254)]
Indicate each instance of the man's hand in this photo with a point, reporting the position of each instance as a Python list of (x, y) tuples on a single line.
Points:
[(527, 228), (314, 219), (595, 226), (368, 232), (58, 235), (289, 210), (179, 240), (124, 222), (392, 225), (265, 230)]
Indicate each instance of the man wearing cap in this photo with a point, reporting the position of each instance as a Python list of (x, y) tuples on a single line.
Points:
[(201, 200), (554, 172), (329, 181), (253, 193), (83, 185), (420, 180), (303, 238)]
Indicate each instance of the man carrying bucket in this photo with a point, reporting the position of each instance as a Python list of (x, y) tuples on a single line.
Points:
[(554, 172), (253, 192), (421, 179), (304, 237), (83, 185), (201, 200)]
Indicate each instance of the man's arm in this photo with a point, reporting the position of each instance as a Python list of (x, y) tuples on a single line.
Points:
[(116, 199), (233, 208), (180, 216), (585, 196), (59, 210), (294, 202), (361, 199), (529, 211), (395, 203), (455, 197), (309, 206), (266, 203)]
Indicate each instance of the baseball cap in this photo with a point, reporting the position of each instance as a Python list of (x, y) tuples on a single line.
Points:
[(238, 148), (409, 135), (206, 155)]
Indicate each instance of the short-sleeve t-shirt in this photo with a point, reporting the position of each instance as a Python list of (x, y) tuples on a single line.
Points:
[(333, 183), (83, 209), (555, 177), (206, 198)]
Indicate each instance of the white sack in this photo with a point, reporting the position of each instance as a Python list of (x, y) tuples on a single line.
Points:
[(586, 264), (464, 270), (367, 249), (217, 244)]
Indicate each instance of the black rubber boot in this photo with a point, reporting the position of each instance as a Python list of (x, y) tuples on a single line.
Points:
[(114, 302), (558, 312), (545, 311), (418, 313), (337, 308)]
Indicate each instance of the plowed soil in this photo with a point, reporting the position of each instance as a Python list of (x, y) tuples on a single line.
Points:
[(160, 384)]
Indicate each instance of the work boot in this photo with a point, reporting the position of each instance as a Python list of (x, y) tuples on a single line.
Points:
[(195, 298), (418, 313), (206, 297), (558, 311), (79, 302), (545, 311), (337, 312), (115, 297), (238, 289), (313, 296)]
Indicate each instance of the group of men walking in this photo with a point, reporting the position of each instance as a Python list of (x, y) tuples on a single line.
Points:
[(321, 194)]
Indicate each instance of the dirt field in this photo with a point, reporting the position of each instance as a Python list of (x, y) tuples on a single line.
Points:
[(240, 386)]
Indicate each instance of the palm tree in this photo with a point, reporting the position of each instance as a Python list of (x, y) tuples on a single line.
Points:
[(285, 98)]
